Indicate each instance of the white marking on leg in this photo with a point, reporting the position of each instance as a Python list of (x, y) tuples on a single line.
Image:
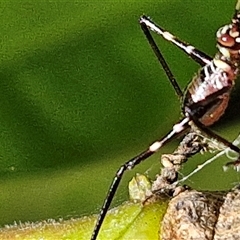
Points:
[(177, 128), (155, 146), (168, 36), (190, 49), (152, 26)]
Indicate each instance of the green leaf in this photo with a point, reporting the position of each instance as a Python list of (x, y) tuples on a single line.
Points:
[(128, 221)]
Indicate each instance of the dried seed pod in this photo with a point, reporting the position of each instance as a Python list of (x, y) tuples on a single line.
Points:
[(228, 224), (202, 215)]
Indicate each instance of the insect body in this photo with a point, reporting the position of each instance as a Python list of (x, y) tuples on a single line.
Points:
[(203, 101), (206, 97)]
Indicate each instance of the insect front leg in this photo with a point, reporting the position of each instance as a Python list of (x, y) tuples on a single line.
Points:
[(176, 130), (197, 55)]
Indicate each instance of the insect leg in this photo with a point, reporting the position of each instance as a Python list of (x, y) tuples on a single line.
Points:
[(221, 140), (197, 55), (162, 61), (176, 130)]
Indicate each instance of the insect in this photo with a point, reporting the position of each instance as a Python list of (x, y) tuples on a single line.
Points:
[(203, 101)]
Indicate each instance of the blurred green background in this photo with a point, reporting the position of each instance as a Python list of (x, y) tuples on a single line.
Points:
[(81, 92)]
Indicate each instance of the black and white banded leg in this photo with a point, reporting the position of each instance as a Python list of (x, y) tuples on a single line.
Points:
[(176, 130), (197, 55)]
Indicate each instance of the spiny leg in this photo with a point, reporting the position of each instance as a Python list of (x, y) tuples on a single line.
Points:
[(176, 130), (197, 55)]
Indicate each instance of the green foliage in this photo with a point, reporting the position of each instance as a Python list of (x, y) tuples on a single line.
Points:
[(132, 221)]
